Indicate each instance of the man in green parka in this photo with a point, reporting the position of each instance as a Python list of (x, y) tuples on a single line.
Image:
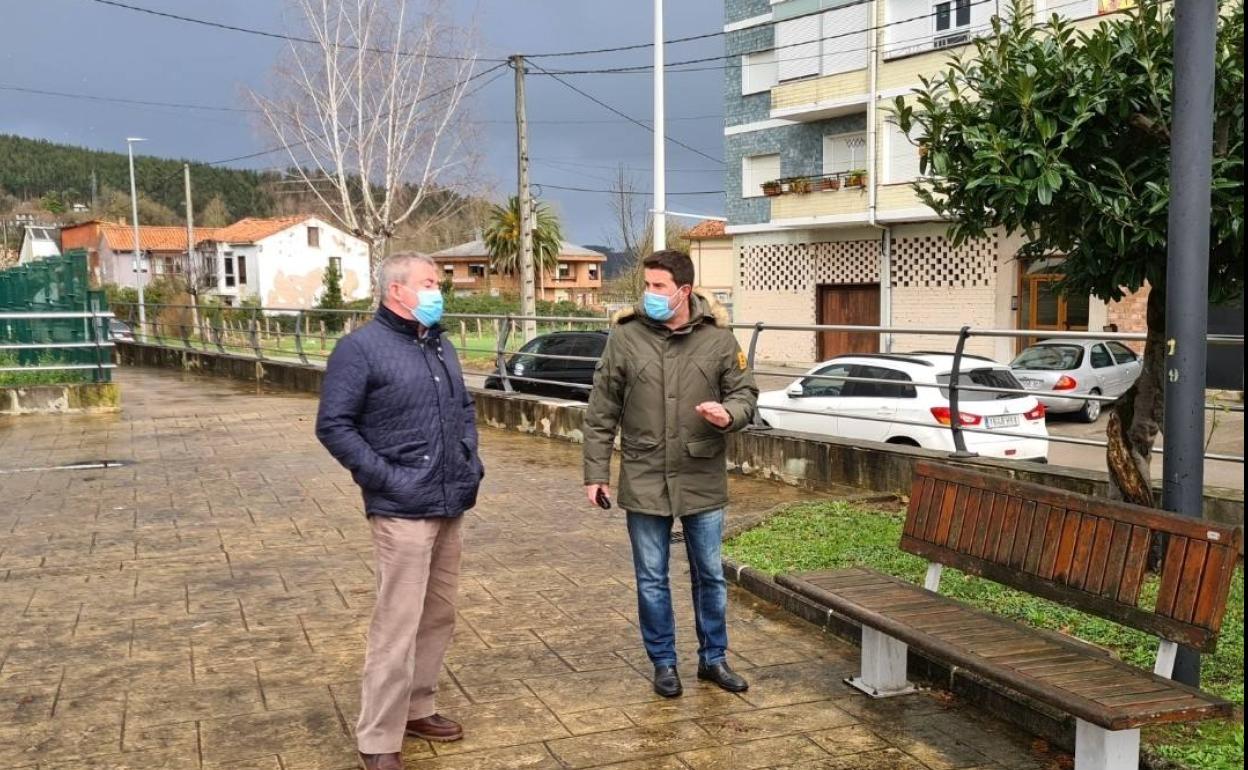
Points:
[(674, 382)]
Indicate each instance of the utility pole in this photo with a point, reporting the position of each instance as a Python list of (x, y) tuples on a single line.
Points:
[(192, 269), (660, 131), (138, 253), (528, 299), (1187, 273), (95, 188)]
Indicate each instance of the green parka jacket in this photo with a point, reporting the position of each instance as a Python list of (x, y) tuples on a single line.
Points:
[(647, 385)]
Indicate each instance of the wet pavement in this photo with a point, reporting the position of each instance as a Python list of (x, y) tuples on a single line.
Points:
[(205, 604)]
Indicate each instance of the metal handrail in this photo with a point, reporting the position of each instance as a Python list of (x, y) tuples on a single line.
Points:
[(506, 324), (94, 321)]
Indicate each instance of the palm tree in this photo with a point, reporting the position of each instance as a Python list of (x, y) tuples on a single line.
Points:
[(502, 237)]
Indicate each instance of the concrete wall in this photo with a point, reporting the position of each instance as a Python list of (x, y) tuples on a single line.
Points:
[(812, 462), (290, 273), (84, 398)]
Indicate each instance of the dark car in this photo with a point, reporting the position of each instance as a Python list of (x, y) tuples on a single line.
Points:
[(531, 363)]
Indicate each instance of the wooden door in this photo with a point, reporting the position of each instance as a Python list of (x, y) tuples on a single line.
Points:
[(856, 305), (1045, 308)]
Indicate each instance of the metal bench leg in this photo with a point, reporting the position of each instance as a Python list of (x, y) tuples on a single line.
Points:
[(1099, 749), (883, 666)]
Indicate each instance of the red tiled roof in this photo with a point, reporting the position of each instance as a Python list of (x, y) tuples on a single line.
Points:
[(254, 229), (711, 228), (152, 238)]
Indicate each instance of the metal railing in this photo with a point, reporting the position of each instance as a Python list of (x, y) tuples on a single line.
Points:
[(19, 330), (252, 330)]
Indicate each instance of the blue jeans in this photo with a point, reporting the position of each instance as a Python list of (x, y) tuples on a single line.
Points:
[(651, 539)]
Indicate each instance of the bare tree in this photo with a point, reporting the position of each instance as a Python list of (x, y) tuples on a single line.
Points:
[(635, 233), (369, 111)]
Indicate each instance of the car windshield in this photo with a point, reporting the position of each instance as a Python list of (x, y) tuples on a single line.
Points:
[(983, 378), (1050, 358)]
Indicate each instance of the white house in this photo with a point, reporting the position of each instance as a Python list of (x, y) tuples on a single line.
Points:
[(282, 262), (38, 243)]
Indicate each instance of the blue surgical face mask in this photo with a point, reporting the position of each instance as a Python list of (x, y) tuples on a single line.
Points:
[(658, 306), (428, 310)]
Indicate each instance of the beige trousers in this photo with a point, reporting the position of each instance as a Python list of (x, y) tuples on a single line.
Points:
[(417, 563)]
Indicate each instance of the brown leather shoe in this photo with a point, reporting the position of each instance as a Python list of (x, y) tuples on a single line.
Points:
[(382, 761), (435, 728)]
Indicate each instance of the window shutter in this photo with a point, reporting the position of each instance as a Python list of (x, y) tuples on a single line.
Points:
[(758, 72), (845, 38), (903, 157), (797, 47), (757, 169)]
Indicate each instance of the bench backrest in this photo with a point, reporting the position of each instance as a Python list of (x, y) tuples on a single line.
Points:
[(1084, 552)]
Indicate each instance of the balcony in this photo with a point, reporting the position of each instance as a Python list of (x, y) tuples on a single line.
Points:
[(840, 197), (821, 98)]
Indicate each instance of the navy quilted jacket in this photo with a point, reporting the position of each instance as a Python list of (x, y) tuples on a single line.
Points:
[(394, 411)]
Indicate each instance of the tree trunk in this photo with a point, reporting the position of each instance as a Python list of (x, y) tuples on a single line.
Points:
[(1137, 415)]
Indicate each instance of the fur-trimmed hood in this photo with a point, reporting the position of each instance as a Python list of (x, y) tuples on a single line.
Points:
[(704, 307)]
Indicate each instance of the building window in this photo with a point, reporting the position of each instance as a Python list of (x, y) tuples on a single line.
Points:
[(902, 162), (952, 15), (242, 270), (476, 270), (757, 169), (797, 48), (845, 39), (314, 237), (448, 270), (843, 153), (565, 271), (229, 270), (335, 264), (593, 272), (758, 72)]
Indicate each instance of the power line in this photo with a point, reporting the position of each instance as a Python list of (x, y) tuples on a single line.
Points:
[(123, 100), (627, 117), (620, 192), (274, 35), (559, 162)]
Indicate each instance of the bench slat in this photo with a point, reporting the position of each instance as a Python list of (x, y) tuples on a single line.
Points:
[(1042, 665)]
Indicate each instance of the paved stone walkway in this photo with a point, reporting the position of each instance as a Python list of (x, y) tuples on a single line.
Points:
[(205, 607)]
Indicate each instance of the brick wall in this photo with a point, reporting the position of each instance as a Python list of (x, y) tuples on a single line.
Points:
[(1130, 315)]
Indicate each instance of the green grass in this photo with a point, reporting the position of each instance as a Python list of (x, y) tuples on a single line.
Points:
[(43, 377), (814, 536)]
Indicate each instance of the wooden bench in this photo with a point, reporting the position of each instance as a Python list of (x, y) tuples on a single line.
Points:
[(1079, 551)]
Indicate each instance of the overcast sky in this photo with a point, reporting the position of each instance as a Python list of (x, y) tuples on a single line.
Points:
[(82, 46)]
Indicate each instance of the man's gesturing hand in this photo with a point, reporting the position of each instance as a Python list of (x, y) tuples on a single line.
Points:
[(715, 413), (591, 491)]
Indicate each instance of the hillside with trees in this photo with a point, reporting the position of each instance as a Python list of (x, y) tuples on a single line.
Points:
[(56, 177)]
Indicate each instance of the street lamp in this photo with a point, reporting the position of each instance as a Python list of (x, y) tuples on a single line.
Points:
[(660, 131), (138, 254)]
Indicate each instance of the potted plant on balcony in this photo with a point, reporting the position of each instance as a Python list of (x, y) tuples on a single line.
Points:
[(799, 185), (856, 178), (773, 188), (830, 183)]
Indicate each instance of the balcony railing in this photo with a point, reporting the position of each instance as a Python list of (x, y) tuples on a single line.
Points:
[(854, 179)]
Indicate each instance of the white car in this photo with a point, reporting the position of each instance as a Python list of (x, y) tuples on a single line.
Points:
[(899, 409)]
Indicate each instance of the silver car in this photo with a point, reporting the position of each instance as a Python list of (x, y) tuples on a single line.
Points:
[(1061, 370)]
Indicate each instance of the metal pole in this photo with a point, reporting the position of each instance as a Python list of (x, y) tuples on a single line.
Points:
[(528, 300), (660, 130), (1187, 272), (138, 254)]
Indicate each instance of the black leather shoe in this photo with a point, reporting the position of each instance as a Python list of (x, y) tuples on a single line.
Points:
[(722, 675), (667, 681)]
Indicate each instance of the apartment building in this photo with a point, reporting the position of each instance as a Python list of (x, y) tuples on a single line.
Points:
[(826, 227)]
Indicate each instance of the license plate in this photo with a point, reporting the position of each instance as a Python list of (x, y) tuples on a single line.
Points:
[(1030, 384), (1003, 421)]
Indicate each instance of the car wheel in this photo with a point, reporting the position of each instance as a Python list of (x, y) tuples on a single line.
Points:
[(1091, 410)]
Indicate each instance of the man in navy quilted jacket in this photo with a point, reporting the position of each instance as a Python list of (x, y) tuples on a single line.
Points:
[(394, 411)]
